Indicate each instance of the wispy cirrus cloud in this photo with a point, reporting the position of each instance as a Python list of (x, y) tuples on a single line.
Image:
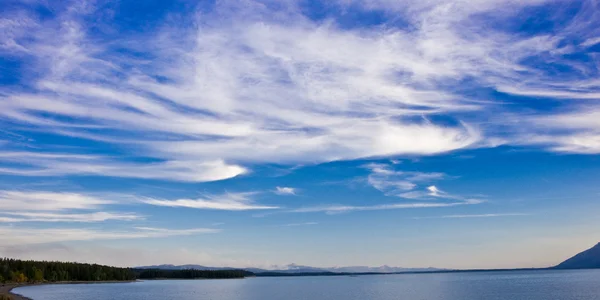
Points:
[(431, 192), (44, 206), (498, 215), (412, 185), (387, 179), (226, 201), (300, 224), (19, 207), (48, 201), (208, 109), (576, 131), (325, 92), (284, 190), (18, 217), (250, 84), (335, 209), (64, 164), (12, 236), (407, 184)]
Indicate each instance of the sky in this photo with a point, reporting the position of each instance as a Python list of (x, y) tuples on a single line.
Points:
[(435, 133)]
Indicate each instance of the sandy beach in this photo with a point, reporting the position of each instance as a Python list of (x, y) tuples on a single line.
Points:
[(5, 289)]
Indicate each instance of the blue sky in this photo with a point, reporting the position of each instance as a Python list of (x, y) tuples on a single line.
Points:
[(455, 134)]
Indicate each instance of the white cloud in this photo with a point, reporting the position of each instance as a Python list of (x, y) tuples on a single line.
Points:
[(9, 220), (345, 208), (486, 215), (59, 164), (436, 192), (591, 42), (315, 105), (549, 93), (432, 192), (66, 217), (433, 189), (48, 201), (226, 201), (410, 184), (242, 88), (475, 216), (285, 190), (405, 184), (581, 143), (577, 131), (12, 236), (300, 224), (44, 206)]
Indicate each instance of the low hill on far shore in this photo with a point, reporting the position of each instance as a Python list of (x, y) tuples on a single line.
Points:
[(300, 269), (588, 259)]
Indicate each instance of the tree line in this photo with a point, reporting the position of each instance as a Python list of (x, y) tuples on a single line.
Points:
[(24, 271), (29, 271)]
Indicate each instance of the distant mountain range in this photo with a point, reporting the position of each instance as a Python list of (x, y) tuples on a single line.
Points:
[(588, 259), (294, 268)]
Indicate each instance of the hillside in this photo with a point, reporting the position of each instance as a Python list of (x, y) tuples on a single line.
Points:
[(299, 269), (588, 259)]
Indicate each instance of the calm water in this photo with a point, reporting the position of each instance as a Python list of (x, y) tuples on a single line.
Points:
[(540, 285)]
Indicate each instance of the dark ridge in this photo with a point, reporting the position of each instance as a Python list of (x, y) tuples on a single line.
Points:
[(190, 274), (588, 259)]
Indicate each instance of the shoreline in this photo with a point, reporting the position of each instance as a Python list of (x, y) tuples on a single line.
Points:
[(7, 289)]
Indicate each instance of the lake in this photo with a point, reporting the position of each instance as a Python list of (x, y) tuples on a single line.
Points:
[(514, 285)]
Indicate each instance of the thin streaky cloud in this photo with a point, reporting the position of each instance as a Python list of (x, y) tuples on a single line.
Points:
[(226, 201), (407, 184), (475, 216), (280, 190), (64, 164), (344, 208), (392, 182), (300, 224), (18, 217), (28, 235), (49, 201)]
